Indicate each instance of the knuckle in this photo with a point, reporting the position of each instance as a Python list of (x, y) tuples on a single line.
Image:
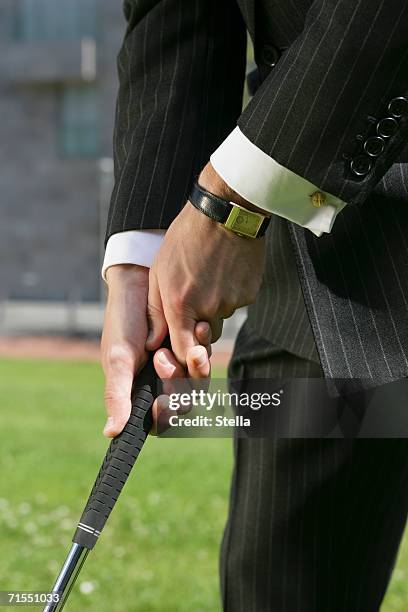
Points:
[(120, 356), (253, 292), (250, 294), (153, 311), (213, 306), (110, 396), (217, 334), (178, 301), (228, 307)]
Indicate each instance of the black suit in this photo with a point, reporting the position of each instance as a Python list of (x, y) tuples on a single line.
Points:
[(330, 72), (181, 71)]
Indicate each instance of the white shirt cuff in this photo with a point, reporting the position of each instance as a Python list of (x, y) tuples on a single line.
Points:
[(261, 180), (137, 247)]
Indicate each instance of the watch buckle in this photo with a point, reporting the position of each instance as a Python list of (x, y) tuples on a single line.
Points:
[(244, 222)]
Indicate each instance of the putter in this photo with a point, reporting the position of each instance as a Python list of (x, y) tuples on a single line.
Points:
[(115, 469)]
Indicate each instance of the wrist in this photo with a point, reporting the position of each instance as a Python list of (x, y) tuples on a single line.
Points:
[(210, 180), (119, 275)]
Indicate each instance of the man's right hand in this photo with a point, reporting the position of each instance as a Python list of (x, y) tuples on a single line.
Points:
[(123, 344)]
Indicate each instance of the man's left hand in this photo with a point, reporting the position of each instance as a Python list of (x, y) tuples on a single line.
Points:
[(202, 272)]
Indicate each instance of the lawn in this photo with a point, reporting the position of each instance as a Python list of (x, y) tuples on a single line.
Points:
[(159, 551)]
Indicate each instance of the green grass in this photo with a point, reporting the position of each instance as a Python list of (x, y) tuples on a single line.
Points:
[(159, 551)]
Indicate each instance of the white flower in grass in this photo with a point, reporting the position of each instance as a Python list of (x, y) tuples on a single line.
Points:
[(202, 553), (24, 508), (43, 519), (61, 511), (217, 502), (140, 529), (11, 522), (154, 498), (30, 527), (87, 587), (53, 566), (146, 575), (66, 524)]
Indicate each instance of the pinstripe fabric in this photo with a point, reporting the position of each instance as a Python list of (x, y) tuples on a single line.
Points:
[(356, 287), (279, 314), (181, 71), (314, 525), (344, 62)]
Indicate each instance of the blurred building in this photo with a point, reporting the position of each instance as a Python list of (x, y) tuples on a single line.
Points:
[(57, 95)]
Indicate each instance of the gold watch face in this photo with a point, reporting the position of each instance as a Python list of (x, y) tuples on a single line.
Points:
[(244, 222)]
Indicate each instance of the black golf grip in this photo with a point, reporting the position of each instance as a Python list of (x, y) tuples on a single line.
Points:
[(119, 459)]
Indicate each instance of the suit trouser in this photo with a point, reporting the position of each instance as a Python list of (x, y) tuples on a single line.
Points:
[(314, 524)]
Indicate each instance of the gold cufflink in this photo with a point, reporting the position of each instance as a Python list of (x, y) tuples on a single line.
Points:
[(318, 199)]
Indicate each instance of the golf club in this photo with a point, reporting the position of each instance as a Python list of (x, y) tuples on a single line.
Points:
[(115, 469)]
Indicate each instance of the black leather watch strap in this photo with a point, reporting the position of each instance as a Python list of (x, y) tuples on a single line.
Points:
[(244, 222)]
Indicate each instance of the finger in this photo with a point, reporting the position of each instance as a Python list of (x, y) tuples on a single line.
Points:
[(168, 369), (198, 362), (182, 336), (155, 315), (203, 334), (216, 329), (166, 365), (171, 373), (119, 371), (162, 414)]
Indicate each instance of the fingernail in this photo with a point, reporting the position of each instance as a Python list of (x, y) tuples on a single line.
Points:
[(200, 356), (150, 336), (109, 423), (163, 359)]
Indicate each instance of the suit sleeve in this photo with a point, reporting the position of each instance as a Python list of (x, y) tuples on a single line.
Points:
[(181, 73), (334, 110)]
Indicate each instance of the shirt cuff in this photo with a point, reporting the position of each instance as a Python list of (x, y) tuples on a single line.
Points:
[(137, 247), (258, 178)]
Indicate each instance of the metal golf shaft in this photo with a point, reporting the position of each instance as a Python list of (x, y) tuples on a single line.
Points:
[(67, 576), (115, 469)]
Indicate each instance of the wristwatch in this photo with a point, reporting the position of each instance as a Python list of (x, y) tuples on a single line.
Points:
[(235, 218)]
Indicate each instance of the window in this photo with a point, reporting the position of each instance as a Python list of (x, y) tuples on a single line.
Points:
[(54, 20), (78, 133)]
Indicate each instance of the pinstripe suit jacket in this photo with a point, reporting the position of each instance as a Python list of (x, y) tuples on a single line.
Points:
[(341, 63)]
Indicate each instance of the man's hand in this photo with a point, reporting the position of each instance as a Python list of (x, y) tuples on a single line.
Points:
[(123, 344), (123, 340), (202, 272)]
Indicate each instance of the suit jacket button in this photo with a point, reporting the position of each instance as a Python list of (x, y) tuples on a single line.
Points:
[(270, 55), (398, 107), (361, 165), (374, 146), (387, 127)]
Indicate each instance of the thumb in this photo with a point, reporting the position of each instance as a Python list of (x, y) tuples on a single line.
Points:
[(155, 315), (119, 379)]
